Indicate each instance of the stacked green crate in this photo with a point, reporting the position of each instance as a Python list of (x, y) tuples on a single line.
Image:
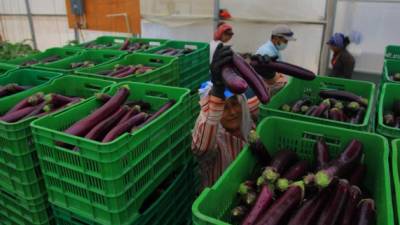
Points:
[(395, 168), (193, 68), (4, 68), (390, 93), (42, 57), (90, 57), (297, 89), (20, 172), (173, 206), (214, 204), (15, 210), (108, 182), (165, 69), (115, 43)]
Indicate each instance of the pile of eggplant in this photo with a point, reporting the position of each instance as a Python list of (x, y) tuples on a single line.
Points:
[(48, 59), (38, 105), (336, 105), (82, 64), (11, 89), (115, 117), (134, 46), (392, 117), (121, 71), (174, 51), (290, 191), (395, 77), (93, 45)]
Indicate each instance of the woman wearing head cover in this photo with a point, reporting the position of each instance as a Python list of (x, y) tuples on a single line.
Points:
[(223, 34), (224, 122), (342, 61)]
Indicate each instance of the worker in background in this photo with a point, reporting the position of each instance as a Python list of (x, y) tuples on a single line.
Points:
[(224, 122), (342, 61), (280, 37), (223, 34)]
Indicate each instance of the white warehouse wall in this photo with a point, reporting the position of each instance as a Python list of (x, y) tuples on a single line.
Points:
[(376, 22)]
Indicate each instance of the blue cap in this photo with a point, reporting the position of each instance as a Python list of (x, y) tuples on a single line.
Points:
[(337, 40), (204, 85)]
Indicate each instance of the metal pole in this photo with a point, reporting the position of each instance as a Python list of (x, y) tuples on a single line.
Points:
[(29, 14), (330, 13), (216, 13)]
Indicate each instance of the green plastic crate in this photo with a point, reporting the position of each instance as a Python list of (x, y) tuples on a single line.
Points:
[(18, 157), (166, 71), (214, 204), (116, 42), (390, 93), (108, 181), (296, 89), (396, 179), (193, 67), (27, 77), (18, 211), (389, 68), (392, 52), (61, 52), (99, 57), (171, 207), (4, 68)]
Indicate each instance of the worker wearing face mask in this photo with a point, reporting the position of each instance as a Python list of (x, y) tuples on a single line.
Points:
[(280, 37)]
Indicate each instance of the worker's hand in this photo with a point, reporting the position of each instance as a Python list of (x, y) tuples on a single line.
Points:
[(258, 62), (222, 56), (263, 59)]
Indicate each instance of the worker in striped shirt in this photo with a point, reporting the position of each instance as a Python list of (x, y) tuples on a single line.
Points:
[(224, 122)]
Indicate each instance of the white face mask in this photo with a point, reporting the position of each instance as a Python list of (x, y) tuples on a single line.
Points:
[(281, 47)]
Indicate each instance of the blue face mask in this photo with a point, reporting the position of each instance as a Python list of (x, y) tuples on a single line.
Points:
[(281, 47)]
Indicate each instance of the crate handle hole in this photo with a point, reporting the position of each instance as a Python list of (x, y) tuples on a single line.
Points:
[(156, 94), (154, 43), (317, 136), (159, 61), (109, 56), (332, 86), (192, 47), (92, 86)]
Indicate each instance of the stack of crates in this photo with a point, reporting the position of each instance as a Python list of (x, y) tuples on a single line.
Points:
[(23, 195), (387, 90), (193, 68), (214, 205), (108, 183)]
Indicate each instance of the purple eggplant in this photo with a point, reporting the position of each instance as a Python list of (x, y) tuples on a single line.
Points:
[(321, 154), (280, 163), (283, 206), (321, 108), (311, 110), (350, 208), (264, 200), (366, 213), (296, 108), (233, 80), (294, 173), (310, 210), (344, 96), (258, 149), (341, 166), (330, 214), (357, 175)]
